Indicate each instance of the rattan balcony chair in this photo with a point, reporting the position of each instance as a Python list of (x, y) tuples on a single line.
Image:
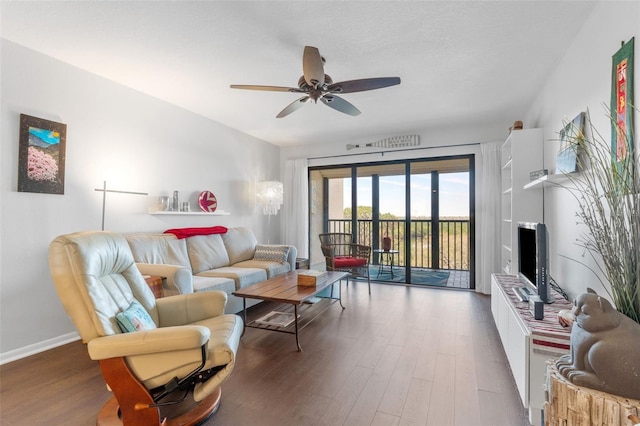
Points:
[(341, 254)]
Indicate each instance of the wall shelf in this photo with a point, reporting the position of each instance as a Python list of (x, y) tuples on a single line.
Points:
[(549, 180), (168, 213)]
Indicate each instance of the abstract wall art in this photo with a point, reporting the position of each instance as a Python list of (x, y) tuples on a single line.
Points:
[(41, 155)]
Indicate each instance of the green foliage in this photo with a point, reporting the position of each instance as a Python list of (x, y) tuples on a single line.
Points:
[(364, 212), (453, 239)]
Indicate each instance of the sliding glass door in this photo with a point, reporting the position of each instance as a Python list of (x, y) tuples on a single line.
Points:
[(417, 215)]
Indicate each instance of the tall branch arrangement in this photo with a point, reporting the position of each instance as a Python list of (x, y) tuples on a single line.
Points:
[(608, 194)]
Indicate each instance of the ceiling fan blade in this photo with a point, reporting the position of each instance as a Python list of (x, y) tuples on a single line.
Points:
[(293, 106), (267, 88), (339, 104), (312, 67), (362, 84)]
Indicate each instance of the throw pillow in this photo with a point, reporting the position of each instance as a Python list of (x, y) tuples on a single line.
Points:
[(271, 253), (135, 318)]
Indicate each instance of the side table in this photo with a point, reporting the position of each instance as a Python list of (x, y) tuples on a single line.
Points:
[(155, 283), (568, 404), (387, 255)]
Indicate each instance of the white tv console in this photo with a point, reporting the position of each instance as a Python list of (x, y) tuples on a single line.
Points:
[(528, 343)]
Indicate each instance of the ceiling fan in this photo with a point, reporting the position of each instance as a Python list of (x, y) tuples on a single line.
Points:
[(315, 84)]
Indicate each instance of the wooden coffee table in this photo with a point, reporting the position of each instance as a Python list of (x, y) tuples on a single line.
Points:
[(284, 289)]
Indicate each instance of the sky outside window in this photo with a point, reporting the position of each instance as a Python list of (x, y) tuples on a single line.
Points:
[(454, 194)]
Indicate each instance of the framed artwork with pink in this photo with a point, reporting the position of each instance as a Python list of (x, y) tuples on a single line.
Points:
[(41, 155)]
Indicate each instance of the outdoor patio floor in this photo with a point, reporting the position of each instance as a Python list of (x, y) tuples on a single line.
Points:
[(457, 278)]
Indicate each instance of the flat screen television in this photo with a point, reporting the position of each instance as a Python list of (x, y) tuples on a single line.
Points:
[(533, 259)]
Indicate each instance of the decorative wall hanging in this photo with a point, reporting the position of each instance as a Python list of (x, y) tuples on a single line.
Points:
[(41, 155), (391, 142), (622, 105)]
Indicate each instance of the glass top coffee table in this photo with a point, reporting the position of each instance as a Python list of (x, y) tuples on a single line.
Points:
[(284, 289)]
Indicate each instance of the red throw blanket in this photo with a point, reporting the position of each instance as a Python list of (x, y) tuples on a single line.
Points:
[(190, 232)]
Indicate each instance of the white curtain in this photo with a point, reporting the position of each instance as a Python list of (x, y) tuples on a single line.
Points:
[(295, 226), (490, 213)]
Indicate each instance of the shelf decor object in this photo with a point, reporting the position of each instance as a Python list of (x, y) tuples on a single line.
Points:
[(207, 202), (104, 191)]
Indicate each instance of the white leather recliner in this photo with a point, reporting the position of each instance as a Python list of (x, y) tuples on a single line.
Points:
[(181, 357)]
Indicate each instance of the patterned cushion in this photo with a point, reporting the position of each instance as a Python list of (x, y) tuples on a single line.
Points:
[(348, 262), (134, 318), (272, 253)]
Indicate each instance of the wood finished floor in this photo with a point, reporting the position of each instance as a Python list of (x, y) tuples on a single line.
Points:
[(404, 355)]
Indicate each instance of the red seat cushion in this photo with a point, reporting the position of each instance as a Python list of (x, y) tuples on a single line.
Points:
[(348, 262)]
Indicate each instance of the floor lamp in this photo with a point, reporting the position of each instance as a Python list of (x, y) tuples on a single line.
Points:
[(270, 197), (104, 191)]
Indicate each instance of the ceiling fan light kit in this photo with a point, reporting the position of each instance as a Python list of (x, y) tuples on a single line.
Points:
[(315, 84), (391, 142)]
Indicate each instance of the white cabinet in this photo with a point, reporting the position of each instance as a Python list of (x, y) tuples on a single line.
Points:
[(515, 338), (528, 343), (521, 154)]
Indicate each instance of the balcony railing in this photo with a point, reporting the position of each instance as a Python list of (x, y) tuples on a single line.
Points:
[(451, 244)]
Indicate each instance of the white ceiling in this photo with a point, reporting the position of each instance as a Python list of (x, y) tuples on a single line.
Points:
[(461, 62)]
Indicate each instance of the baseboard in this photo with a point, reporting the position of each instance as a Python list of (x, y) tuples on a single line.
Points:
[(36, 348)]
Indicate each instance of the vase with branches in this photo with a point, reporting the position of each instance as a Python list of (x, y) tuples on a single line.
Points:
[(608, 194)]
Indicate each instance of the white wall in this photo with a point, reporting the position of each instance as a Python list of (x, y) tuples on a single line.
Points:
[(135, 143), (581, 81)]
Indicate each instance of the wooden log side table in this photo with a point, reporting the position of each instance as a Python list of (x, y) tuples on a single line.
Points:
[(568, 404), (155, 283)]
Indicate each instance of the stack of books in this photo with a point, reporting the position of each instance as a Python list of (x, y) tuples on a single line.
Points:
[(311, 277)]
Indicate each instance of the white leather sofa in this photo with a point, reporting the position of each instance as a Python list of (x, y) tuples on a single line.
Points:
[(225, 262)]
